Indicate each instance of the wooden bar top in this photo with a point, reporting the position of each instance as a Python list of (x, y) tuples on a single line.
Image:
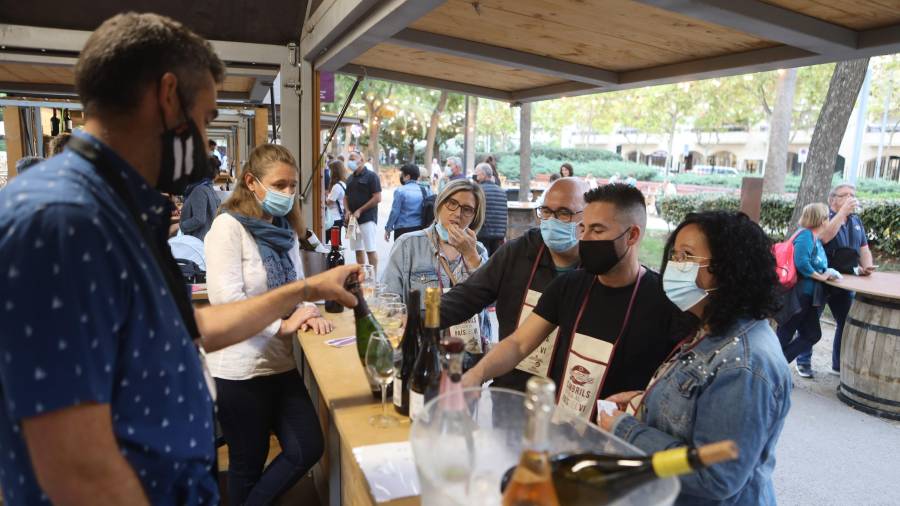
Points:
[(343, 386), (879, 284)]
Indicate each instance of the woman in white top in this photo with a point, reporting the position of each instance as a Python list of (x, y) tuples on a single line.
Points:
[(336, 195), (253, 247)]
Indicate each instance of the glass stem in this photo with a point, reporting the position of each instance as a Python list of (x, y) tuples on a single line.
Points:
[(383, 399)]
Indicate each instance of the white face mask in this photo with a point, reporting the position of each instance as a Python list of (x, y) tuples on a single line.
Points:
[(680, 284)]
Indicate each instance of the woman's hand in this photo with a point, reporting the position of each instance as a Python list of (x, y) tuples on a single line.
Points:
[(297, 319), (623, 398), (462, 239), (606, 422), (318, 325)]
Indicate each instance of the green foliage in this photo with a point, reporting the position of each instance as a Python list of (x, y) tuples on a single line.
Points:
[(509, 167), (571, 155), (880, 217)]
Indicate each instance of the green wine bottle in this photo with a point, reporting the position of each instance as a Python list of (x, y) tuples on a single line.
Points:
[(366, 324)]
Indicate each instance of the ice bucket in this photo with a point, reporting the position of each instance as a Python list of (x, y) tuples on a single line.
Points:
[(454, 473)]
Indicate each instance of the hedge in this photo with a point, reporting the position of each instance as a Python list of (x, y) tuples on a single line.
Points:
[(881, 218)]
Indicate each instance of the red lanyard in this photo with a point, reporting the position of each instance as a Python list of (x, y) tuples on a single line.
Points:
[(534, 267)]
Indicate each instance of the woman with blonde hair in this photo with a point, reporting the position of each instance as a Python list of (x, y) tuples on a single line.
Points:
[(445, 253), (807, 300), (252, 247)]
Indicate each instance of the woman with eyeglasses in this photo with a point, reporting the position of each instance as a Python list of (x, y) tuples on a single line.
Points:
[(729, 380), (445, 254)]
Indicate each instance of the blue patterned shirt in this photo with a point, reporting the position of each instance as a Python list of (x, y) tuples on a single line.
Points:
[(87, 318)]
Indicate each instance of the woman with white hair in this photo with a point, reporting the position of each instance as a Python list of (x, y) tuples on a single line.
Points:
[(444, 254)]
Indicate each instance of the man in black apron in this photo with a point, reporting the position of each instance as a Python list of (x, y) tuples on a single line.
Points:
[(520, 270), (615, 324)]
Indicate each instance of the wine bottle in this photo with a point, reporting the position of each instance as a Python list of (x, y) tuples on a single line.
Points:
[(584, 479), (366, 324), (409, 349), (334, 259), (425, 381), (532, 479)]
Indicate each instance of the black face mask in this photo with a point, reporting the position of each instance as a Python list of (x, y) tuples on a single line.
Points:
[(184, 157), (599, 257)]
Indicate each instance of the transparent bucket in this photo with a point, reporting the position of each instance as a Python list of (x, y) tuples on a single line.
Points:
[(454, 471)]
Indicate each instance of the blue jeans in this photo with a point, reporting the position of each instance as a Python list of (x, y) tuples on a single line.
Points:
[(249, 410), (839, 301), (805, 325)]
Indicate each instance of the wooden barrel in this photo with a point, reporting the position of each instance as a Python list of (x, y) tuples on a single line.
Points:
[(870, 357)]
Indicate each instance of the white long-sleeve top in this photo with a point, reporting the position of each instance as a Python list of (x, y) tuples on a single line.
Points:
[(234, 271)]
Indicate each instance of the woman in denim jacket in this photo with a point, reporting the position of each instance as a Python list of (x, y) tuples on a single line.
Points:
[(729, 380), (445, 254)]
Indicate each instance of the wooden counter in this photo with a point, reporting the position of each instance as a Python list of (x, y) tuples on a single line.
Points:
[(340, 392)]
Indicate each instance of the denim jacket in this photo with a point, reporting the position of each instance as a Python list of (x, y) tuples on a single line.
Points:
[(736, 386), (414, 265), (406, 211)]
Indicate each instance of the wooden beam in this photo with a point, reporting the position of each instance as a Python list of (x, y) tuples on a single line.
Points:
[(569, 89), (444, 44), (379, 24), (327, 22), (766, 21), (15, 149), (428, 82), (260, 126)]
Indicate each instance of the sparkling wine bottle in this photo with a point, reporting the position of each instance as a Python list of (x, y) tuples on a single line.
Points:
[(334, 259), (425, 381), (409, 348), (366, 324), (532, 479)]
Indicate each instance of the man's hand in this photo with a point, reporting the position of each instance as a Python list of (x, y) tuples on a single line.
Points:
[(462, 239), (867, 271), (329, 285), (356, 214), (849, 207)]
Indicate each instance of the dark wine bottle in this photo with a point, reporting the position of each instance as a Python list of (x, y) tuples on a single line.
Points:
[(426, 377), (366, 324), (409, 349), (335, 258)]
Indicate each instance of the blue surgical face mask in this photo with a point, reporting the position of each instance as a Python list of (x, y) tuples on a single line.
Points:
[(559, 236), (276, 203), (680, 284), (352, 165), (442, 232)]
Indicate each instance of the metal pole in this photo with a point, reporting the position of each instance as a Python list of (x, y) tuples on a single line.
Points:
[(860, 125), (884, 118)]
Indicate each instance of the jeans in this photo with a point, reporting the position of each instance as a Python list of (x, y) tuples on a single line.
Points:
[(249, 410), (839, 301), (807, 327)]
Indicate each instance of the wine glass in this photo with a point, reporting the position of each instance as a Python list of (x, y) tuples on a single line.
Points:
[(394, 321), (368, 282), (380, 366)]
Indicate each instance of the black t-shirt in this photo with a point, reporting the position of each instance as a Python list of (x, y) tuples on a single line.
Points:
[(655, 327), (360, 188)]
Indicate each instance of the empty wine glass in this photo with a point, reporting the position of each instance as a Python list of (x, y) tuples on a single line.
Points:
[(380, 366)]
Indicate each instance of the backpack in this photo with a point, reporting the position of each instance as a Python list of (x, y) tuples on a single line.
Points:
[(784, 261), (427, 207)]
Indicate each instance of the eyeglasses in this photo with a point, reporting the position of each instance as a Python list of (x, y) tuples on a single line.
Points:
[(681, 256), (453, 204), (845, 195), (562, 214)]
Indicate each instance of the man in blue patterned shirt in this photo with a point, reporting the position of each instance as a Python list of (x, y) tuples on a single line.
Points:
[(102, 391)]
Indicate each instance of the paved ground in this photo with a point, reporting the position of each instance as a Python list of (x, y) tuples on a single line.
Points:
[(829, 453)]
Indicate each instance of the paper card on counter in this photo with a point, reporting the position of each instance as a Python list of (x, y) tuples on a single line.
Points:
[(340, 342), (390, 470)]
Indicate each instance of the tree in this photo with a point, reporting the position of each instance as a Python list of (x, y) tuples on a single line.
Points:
[(830, 127), (432, 129), (780, 132)]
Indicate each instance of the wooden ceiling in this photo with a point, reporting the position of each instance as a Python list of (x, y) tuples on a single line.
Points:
[(525, 50)]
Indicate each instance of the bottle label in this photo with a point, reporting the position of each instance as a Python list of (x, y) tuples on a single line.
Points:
[(416, 404), (398, 392), (672, 462)]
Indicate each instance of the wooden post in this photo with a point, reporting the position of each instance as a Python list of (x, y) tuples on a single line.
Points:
[(525, 152), (751, 197), (318, 188), (14, 141), (261, 127)]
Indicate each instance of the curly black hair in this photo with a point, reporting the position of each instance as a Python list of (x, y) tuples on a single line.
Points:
[(742, 263)]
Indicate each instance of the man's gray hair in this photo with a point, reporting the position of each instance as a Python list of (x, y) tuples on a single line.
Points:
[(837, 187), (455, 160), (485, 168)]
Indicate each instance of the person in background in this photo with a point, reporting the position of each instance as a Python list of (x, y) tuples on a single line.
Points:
[(615, 179), (27, 162), (361, 203), (610, 315), (492, 161), (493, 233), (553, 177), (807, 298), (436, 174), (522, 269), (326, 173), (201, 203), (445, 253), (334, 202), (631, 180), (252, 248), (406, 211), (847, 251), (456, 168), (591, 181), (105, 402), (566, 170), (58, 143), (728, 380)]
